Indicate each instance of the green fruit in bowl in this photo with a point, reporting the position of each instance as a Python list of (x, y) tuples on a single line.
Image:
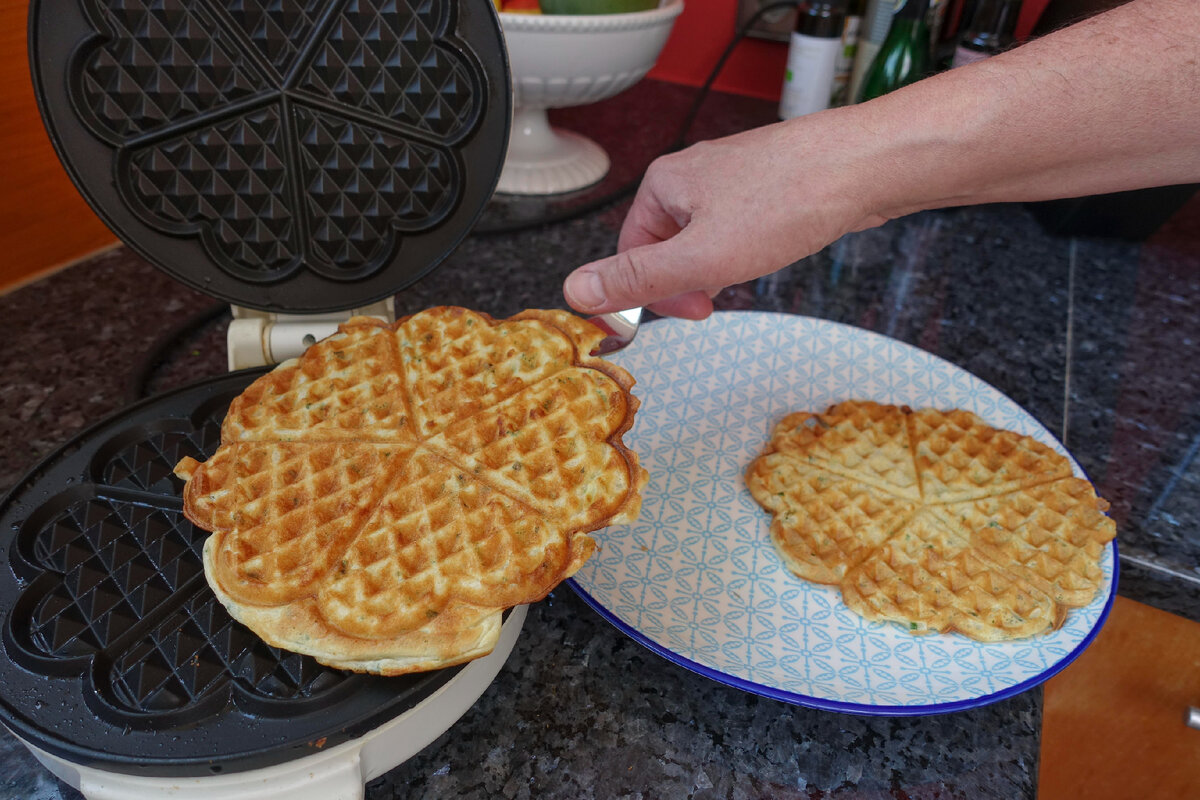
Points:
[(596, 6)]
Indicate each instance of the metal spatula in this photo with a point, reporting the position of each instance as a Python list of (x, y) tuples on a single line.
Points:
[(620, 328)]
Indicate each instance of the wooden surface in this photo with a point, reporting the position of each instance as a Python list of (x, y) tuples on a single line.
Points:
[(44, 223), (1113, 721)]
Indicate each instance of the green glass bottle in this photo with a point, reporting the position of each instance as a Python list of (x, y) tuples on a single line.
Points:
[(904, 55)]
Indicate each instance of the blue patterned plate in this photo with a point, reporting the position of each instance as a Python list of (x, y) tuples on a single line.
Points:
[(696, 579)]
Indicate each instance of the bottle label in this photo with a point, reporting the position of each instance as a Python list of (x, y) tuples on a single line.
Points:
[(808, 81), (845, 62), (964, 56)]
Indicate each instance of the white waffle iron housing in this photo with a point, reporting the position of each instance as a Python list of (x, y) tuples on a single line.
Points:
[(334, 774), (304, 160)]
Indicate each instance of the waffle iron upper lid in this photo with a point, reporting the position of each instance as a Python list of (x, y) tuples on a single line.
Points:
[(287, 155)]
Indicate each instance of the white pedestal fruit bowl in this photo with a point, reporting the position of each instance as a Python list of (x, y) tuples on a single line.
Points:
[(561, 60)]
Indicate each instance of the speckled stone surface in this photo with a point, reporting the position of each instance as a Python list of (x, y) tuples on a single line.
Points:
[(1097, 339), (623, 722)]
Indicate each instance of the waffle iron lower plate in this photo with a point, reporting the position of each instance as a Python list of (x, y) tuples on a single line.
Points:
[(116, 654)]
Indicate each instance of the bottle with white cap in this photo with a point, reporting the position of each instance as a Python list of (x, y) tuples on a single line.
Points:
[(813, 53)]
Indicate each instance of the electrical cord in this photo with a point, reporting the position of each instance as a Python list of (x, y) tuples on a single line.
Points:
[(139, 379)]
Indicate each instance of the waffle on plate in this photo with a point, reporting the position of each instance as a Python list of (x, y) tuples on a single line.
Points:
[(932, 519), (380, 501)]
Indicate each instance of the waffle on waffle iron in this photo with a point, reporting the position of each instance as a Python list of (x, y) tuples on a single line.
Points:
[(932, 519), (380, 501)]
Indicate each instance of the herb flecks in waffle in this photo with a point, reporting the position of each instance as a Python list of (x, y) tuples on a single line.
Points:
[(932, 519), (380, 501)]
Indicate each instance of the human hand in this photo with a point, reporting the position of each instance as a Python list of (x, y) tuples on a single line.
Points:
[(726, 211), (1042, 121)]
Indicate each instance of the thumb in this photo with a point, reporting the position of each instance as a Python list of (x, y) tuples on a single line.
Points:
[(635, 277)]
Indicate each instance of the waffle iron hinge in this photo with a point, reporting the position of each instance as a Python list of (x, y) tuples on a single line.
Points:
[(260, 338)]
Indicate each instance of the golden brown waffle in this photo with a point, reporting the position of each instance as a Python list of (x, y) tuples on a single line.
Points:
[(380, 501), (932, 519)]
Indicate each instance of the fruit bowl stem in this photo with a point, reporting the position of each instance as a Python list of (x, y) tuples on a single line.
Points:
[(543, 159)]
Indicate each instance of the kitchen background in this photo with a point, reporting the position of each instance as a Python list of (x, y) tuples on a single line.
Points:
[(45, 224), (1127, 404)]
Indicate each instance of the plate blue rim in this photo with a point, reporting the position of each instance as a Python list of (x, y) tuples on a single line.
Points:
[(857, 708), (867, 709)]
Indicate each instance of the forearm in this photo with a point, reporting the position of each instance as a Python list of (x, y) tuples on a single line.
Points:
[(1110, 104)]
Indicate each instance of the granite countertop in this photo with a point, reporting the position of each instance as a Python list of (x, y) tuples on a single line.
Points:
[(1096, 338)]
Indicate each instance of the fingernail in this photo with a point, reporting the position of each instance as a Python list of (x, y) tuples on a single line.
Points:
[(585, 289)]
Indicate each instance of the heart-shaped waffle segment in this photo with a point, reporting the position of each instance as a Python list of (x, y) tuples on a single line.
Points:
[(932, 519), (313, 136), (380, 501)]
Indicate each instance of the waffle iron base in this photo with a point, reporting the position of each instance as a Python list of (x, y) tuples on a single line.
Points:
[(335, 774), (117, 660)]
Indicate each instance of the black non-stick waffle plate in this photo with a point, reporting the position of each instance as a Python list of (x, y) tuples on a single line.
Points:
[(116, 653), (287, 155)]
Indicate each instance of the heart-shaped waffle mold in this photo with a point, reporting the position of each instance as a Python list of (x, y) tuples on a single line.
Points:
[(282, 155), (378, 502), (932, 519), (118, 653)]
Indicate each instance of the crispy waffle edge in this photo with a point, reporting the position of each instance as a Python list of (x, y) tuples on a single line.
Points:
[(1103, 533), (395, 655)]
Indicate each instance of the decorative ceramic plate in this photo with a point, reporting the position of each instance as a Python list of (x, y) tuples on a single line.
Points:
[(697, 580)]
